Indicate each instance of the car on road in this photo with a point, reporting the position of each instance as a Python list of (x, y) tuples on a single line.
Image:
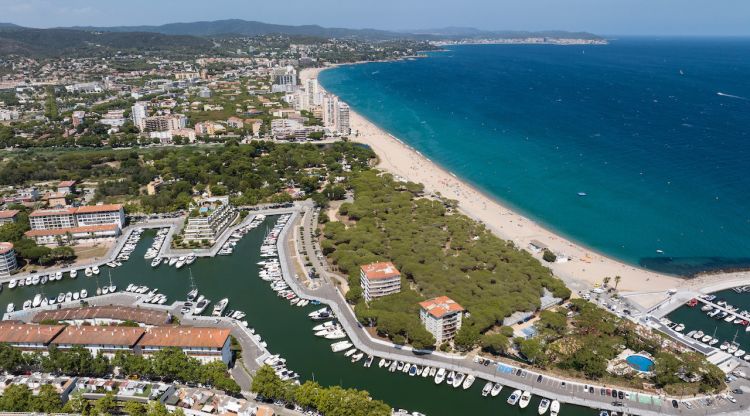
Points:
[(620, 395), (737, 391), (687, 404), (731, 398), (675, 404), (563, 384), (539, 379), (602, 391), (518, 372)]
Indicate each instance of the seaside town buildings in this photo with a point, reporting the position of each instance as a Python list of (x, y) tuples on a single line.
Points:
[(55, 226), (379, 279), (441, 317), (8, 216), (8, 263)]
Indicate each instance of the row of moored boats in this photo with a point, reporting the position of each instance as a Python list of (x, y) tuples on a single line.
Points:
[(228, 247)]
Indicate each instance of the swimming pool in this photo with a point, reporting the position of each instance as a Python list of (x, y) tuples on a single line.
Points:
[(640, 362)]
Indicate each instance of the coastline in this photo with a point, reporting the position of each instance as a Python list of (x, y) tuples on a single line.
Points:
[(586, 266)]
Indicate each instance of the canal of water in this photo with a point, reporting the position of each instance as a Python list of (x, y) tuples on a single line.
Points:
[(286, 329)]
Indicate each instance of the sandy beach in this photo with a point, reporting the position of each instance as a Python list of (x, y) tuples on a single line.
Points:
[(586, 267)]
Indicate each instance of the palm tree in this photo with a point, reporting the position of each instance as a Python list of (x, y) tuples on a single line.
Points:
[(617, 281), (606, 280)]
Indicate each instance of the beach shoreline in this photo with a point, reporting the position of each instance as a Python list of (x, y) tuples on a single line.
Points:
[(586, 268)]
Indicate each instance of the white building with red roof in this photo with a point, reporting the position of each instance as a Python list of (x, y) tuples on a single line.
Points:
[(49, 226), (8, 263), (442, 317), (379, 279)]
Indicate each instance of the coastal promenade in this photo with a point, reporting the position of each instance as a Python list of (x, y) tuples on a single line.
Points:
[(565, 391)]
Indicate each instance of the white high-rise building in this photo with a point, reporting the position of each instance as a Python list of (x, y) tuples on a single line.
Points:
[(139, 114), (441, 316), (313, 92), (7, 259), (342, 118), (284, 79)]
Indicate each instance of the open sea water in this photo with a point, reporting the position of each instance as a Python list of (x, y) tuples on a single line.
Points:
[(653, 131)]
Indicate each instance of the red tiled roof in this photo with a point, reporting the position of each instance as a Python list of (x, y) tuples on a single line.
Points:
[(47, 212), (80, 210), (382, 270), (168, 336), (73, 230), (10, 213), (5, 247), (18, 332), (100, 335), (66, 184), (98, 208), (440, 306)]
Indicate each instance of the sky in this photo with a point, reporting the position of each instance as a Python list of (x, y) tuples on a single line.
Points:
[(604, 17)]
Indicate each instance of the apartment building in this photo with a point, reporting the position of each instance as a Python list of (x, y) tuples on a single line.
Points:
[(209, 220), (52, 226), (441, 316), (8, 216), (205, 344), (379, 279), (8, 263)]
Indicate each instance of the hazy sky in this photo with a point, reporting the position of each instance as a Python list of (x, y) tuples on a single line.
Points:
[(613, 17)]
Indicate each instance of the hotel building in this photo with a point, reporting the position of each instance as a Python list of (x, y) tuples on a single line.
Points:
[(8, 263), (441, 316), (51, 226), (205, 344), (27, 337), (379, 279)]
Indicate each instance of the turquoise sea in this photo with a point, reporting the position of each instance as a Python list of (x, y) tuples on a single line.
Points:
[(655, 132)]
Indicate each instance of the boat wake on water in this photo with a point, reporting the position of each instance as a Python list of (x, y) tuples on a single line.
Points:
[(732, 96)]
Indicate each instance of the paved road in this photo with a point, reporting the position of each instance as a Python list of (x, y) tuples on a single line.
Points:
[(550, 386)]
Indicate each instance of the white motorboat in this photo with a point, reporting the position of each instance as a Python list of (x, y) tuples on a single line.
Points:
[(525, 399), (73, 274), (26, 304), (358, 356), (37, 300), (486, 389), (513, 398), (10, 308), (219, 307), (88, 272), (368, 361), (543, 406), (324, 326), (458, 380), (84, 293), (13, 283), (35, 280), (440, 376), (156, 262), (192, 295), (426, 372), (68, 297), (554, 409), (350, 352), (190, 259), (200, 305), (95, 270), (496, 389), (172, 261), (76, 295), (340, 346), (180, 262), (468, 381)]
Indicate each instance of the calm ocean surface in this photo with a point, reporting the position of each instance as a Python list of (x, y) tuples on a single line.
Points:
[(654, 131)]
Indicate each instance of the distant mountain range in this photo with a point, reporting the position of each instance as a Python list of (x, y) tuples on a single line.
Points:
[(193, 36), (56, 42)]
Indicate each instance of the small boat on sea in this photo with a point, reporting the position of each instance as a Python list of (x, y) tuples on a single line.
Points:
[(525, 399), (88, 272), (554, 409), (84, 294), (459, 379), (440, 376), (219, 307), (486, 389), (496, 389), (340, 346), (10, 308), (543, 406), (73, 274), (200, 305), (95, 270), (513, 398), (468, 381), (37, 300)]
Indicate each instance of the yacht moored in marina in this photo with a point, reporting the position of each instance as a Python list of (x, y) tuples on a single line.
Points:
[(543, 406), (554, 408), (486, 389), (340, 346), (525, 399), (496, 389), (513, 398), (73, 274), (440, 376)]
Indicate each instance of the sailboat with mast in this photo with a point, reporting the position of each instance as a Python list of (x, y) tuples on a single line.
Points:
[(193, 294)]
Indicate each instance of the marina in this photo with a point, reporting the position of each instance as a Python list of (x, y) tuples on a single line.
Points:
[(284, 326)]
